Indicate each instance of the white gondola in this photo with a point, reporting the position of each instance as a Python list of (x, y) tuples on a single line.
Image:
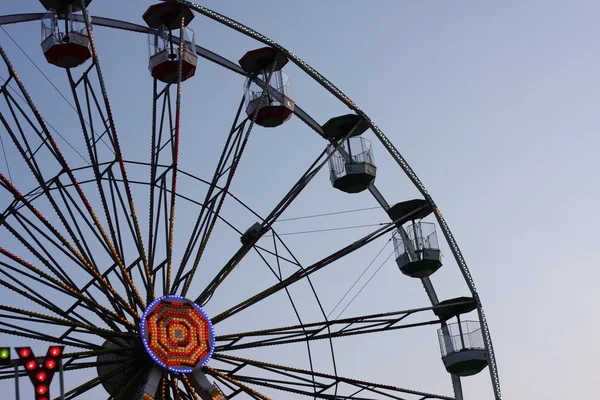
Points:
[(417, 251), (352, 165), (463, 350)]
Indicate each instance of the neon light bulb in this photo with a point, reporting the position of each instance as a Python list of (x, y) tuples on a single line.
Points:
[(41, 389), (55, 351), (25, 352), (41, 376)]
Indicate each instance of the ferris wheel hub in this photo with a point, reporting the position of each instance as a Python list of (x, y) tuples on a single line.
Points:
[(177, 334)]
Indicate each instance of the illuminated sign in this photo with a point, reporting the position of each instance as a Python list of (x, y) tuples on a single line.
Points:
[(40, 374), (177, 334)]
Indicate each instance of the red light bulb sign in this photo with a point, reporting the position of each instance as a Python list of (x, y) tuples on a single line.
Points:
[(40, 374)]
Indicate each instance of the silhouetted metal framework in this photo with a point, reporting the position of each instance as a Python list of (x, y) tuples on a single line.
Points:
[(57, 224)]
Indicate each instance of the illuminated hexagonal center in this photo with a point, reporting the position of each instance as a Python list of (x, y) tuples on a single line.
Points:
[(177, 334)]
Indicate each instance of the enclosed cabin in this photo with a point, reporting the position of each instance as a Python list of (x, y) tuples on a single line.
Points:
[(65, 40), (268, 90), (351, 162), (164, 46), (462, 347), (418, 254)]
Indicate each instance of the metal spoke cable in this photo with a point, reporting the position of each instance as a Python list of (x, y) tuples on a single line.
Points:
[(341, 228), (327, 214), (36, 66), (5, 158), (49, 81), (366, 283), (47, 123), (358, 279)]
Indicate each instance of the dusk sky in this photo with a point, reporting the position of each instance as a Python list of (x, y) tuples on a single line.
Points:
[(493, 104)]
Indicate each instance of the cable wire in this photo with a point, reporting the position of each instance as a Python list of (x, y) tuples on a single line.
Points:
[(358, 279), (341, 228), (48, 123), (366, 283), (51, 83), (5, 158), (327, 214)]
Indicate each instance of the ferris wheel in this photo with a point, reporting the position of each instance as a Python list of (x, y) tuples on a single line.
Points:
[(103, 255)]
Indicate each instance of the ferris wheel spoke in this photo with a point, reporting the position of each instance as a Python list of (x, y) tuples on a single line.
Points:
[(93, 140), (25, 289), (278, 275), (12, 313), (365, 324), (303, 273), (299, 381), (175, 159), (277, 254), (46, 258), (21, 141), (188, 388), (166, 122), (24, 282), (267, 223), (18, 315), (48, 142), (20, 288), (164, 154), (159, 146), (17, 330), (46, 230), (233, 389), (264, 228), (80, 220), (242, 387), (175, 388), (107, 315), (214, 199), (74, 360), (227, 165), (31, 152), (105, 111)]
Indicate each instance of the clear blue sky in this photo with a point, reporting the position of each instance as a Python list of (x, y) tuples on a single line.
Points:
[(493, 104)]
